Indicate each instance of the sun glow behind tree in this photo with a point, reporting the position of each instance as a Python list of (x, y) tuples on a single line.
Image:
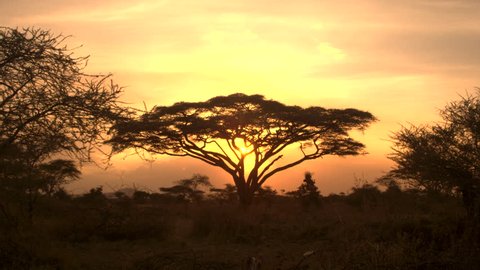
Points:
[(246, 136)]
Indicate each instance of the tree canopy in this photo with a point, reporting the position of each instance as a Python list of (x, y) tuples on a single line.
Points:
[(189, 189), (308, 191), (443, 157), (47, 103), (49, 109), (245, 135)]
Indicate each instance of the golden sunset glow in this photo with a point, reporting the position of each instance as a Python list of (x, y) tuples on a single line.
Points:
[(244, 151), (399, 60), (244, 147)]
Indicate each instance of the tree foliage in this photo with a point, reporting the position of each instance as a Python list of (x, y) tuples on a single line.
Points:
[(49, 109), (55, 173), (228, 193), (190, 189), (245, 135), (47, 103), (443, 157), (307, 192)]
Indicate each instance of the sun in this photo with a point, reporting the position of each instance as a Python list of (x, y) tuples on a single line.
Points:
[(244, 150), (242, 147)]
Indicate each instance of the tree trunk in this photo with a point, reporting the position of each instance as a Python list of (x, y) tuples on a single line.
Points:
[(245, 193), (471, 201), (246, 198), (469, 197)]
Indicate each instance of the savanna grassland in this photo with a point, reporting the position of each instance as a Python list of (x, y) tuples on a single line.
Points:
[(51, 108), (366, 229)]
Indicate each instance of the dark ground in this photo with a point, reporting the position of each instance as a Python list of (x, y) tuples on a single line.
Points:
[(364, 230)]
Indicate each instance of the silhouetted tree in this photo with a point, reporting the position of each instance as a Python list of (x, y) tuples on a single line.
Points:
[(266, 191), (365, 195), (243, 135), (47, 103), (196, 182), (48, 106), (266, 194), (443, 157), (389, 182), (56, 173), (189, 189), (307, 192), (229, 193), (141, 196), (95, 195), (62, 194), (120, 195)]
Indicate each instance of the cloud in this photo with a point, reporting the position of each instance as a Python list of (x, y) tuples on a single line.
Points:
[(106, 13)]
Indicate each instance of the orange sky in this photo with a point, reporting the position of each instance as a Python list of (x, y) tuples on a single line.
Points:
[(400, 60)]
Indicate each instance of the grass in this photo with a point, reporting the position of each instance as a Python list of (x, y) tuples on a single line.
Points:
[(405, 231)]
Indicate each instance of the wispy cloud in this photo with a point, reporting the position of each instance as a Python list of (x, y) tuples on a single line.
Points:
[(104, 13)]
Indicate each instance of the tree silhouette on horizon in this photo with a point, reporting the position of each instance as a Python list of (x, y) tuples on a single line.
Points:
[(245, 135), (49, 109), (443, 157), (308, 191)]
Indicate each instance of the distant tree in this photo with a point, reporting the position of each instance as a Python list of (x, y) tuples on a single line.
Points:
[(55, 173), (62, 194), (266, 191), (189, 189), (229, 193), (120, 195), (389, 183), (266, 194), (364, 195), (244, 135), (23, 183), (443, 157), (197, 182), (95, 195), (141, 196), (307, 192), (180, 192)]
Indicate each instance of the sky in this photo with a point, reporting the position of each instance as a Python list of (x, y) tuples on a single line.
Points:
[(400, 60)]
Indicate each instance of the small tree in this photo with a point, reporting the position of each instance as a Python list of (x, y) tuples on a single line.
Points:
[(141, 196), (444, 157), (95, 195), (364, 195), (307, 192), (229, 193), (55, 173), (190, 189), (244, 135)]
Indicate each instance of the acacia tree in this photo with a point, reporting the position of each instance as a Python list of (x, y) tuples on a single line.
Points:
[(48, 106), (55, 173), (444, 157), (47, 103), (245, 135), (189, 189)]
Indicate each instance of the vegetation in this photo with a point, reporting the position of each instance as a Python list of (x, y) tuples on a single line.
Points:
[(362, 230), (307, 192), (49, 110), (189, 189), (427, 217), (244, 135), (444, 158), (48, 104)]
